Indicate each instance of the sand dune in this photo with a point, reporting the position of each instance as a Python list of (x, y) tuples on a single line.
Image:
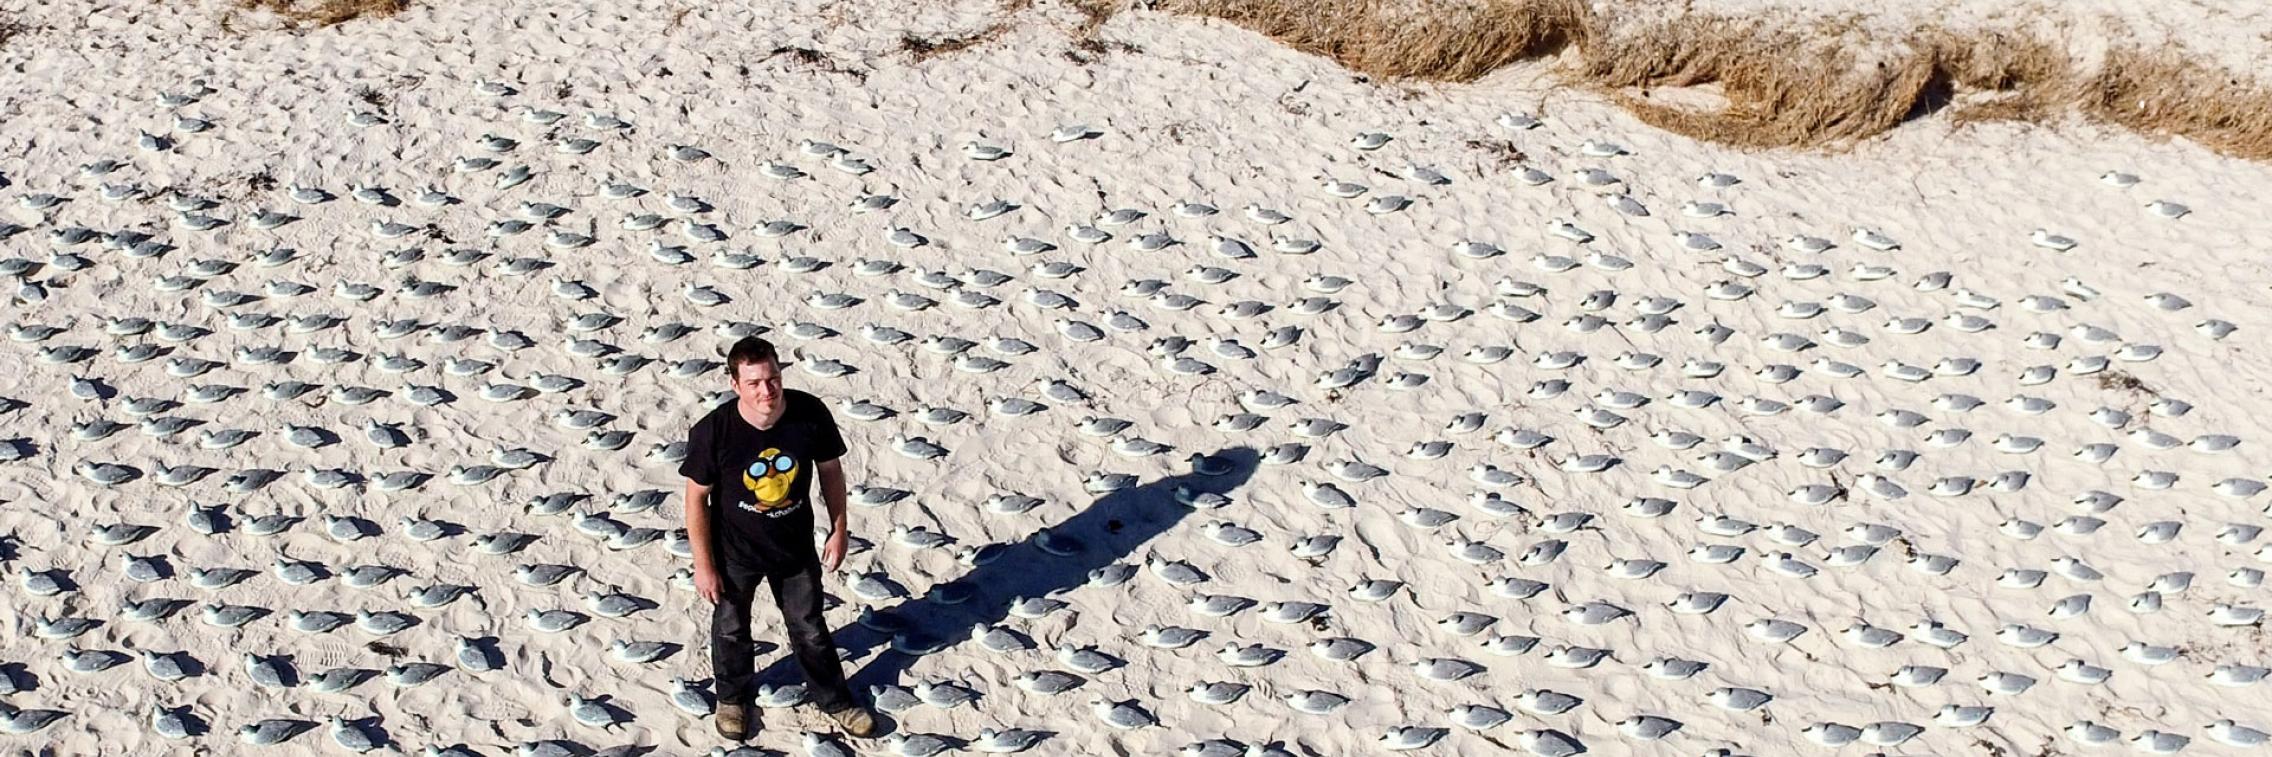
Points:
[(1814, 75)]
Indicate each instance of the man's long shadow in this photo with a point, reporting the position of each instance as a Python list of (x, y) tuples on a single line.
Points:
[(1109, 529)]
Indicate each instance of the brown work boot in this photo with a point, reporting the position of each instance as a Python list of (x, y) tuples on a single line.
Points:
[(856, 720), (733, 720)]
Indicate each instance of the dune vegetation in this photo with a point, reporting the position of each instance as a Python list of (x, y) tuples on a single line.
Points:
[(1774, 83), (1770, 82)]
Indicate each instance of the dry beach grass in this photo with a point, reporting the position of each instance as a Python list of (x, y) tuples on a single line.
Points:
[(2166, 92)]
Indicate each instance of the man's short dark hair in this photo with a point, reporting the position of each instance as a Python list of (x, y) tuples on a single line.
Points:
[(749, 351)]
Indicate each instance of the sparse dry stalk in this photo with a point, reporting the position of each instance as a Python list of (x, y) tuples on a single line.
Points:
[(321, 13)]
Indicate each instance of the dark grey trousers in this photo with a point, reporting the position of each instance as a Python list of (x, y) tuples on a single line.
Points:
[(796, 591)]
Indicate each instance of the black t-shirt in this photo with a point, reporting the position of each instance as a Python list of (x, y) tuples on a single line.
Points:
[(761, 481)]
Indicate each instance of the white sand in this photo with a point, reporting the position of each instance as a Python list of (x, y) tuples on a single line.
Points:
[(2228, 35), (1199, 112)]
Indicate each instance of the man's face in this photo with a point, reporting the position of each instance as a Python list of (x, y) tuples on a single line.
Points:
[(758, 385)]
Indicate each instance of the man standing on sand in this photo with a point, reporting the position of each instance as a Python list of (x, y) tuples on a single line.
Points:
[(749, 472)]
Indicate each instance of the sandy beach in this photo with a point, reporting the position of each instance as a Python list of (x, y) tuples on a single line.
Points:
[(1293, 411)]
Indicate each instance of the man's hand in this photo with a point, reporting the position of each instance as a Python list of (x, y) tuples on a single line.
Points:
[(707, 584), (832, 554)]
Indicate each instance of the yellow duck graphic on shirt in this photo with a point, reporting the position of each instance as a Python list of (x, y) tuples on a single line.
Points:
[(770, 478)]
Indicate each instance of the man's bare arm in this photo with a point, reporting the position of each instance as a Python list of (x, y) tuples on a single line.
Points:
[(698, 535), (698, 521), (832, 492)]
